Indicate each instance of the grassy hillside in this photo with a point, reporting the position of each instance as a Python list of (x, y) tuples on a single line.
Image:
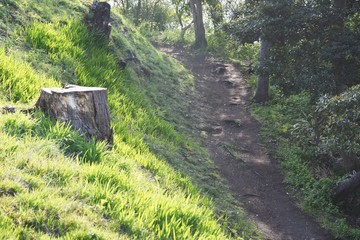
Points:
[(156, 182)]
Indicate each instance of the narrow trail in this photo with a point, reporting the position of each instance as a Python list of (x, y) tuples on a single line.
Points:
[(232, 138)]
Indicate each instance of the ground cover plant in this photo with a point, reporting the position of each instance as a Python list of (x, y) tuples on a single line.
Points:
[(154, 183), (288, 126)]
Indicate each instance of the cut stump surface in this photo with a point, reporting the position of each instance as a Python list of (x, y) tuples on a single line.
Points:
[(85, 108)]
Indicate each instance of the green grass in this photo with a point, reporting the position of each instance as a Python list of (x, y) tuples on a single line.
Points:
[(51, 185), (156, 182), (19, 82)]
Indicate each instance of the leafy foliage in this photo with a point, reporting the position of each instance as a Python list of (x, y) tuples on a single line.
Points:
[(339, 127), (284, 124), (221, 45), (332, 127), (154, 15), (316, 41)]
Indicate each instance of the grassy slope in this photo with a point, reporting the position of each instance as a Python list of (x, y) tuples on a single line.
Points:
[(55, 184)]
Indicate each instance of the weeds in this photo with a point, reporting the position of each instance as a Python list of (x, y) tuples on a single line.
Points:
[(298, 161)]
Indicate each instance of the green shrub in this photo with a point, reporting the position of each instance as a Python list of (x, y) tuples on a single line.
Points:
[(290, 123), (339, 123), (222, 45)]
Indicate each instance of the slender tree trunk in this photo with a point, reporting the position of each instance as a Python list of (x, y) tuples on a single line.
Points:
[(127, 6), (137, 13), (262, 91), (153, 22), (338, 63), (339, 3), (179, 16), (196, 8)]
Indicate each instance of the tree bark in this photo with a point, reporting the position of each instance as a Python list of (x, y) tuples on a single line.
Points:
[(345, 188), (101, 18), (179, 16), (339, 3), (85, 108), (262, 91), (338, 63), (200, 39), (137, 13)]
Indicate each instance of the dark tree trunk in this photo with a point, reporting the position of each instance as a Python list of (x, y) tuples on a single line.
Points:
[(85, 108), (200, 39), (345, 188), (338, 63), (339, 3), (101, 18), (262, 91), (179, 16), (154, 12), (137, 13)]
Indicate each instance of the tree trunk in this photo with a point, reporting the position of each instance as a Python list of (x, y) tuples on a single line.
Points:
[(101, 18), (137, 13), (262, 91), (153, 14), (196, 8), (339, 4), (350, 161), (85, 108), (127, 6), (338, 28), (179, 16), (345, 188)]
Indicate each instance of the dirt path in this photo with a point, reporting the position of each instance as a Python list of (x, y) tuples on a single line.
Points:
[(235, 146)]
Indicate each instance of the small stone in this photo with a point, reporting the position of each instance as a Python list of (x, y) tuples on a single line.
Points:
[(8, 109)]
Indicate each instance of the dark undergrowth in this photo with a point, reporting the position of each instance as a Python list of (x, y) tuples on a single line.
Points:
[(311, 178)]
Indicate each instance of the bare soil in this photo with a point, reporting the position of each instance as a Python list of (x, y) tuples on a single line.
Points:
[(231, 135)]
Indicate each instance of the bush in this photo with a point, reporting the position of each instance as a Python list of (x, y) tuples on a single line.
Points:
[(222, 45), (339, 126)]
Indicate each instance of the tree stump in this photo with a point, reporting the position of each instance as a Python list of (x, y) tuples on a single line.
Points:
[(101, 18), (347, 187), (86, 109)]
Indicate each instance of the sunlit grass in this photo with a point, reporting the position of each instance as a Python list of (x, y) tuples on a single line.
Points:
[(153, 184), (19, 82), (55, 195)]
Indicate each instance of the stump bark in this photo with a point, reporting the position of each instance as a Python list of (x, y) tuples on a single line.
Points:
[(85, 108), (101, 18), (347, 187)]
